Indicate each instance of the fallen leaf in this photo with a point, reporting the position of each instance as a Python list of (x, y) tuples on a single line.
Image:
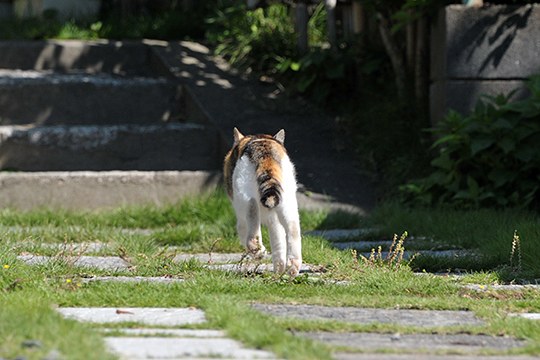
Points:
[(120, 312)]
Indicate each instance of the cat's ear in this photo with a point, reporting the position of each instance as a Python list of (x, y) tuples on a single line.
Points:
[(237, 136), (280, 136)]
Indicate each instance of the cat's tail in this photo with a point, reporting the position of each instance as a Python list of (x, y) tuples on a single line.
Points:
[(269, 181)]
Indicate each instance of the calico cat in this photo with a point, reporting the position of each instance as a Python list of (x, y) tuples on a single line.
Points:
[(261, 182)]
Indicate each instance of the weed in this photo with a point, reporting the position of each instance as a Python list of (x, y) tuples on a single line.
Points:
[(393, 260), (483, 231), (515, 253)]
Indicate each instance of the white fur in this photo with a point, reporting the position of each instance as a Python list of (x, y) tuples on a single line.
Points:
[(282, 221)]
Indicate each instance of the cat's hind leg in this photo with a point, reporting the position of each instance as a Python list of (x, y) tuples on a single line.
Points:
[(241, 229), (254, 244), (290, 221), (278, 243)]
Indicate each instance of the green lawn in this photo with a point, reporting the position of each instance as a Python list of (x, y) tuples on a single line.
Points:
[(28, 294)]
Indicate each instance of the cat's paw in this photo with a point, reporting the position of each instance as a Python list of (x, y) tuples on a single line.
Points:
[(294, 268), (256, 249), (279, 266)]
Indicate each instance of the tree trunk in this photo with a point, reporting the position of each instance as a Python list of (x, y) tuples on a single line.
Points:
[(421, 71), (359, 22), (331, 22), (301, 25), (396, 57), (411, 45)]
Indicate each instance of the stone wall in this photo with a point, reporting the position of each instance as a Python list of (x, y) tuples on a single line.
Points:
[(476, 51)]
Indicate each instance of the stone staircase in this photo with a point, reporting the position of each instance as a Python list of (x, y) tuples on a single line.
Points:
[(72, 106)]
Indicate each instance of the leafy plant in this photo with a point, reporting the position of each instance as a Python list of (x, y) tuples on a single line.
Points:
[(169, 23), (488, 158), (252, 38), (317, 74)]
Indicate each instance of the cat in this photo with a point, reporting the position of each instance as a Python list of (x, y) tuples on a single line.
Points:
[(261, 182)]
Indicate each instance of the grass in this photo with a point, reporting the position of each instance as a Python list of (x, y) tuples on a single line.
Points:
[(490, 232), (28, 294)]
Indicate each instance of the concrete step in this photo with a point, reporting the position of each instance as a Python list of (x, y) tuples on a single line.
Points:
[(102, 189), (48, 98), (172, 146), (134, 58)]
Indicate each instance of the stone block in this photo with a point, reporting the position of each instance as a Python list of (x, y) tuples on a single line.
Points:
[(463, 95), (64, 9), (481, 51), (6, 10), (493, 42)]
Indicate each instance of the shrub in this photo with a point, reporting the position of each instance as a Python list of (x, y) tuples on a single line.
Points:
[(488, 158), (252, 38), (318, 74)]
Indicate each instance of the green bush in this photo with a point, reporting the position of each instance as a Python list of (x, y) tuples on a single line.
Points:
[(171, 24), (489, 158), (253, 39), (318, 74)]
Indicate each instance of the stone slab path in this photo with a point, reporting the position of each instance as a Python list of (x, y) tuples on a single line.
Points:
[(162, 343), (159, 336)]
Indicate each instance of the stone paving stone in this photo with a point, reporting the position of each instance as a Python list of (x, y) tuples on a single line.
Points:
[(529, 316), (341, 234), (362, 245), (383, 356), (137, 348), (433, 253), (213, 258), (465, 343), (185, 333), (69, 248), (258, 268), (134, 279), (405, 317), (479, 287), (98, 262), (147, 316)]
